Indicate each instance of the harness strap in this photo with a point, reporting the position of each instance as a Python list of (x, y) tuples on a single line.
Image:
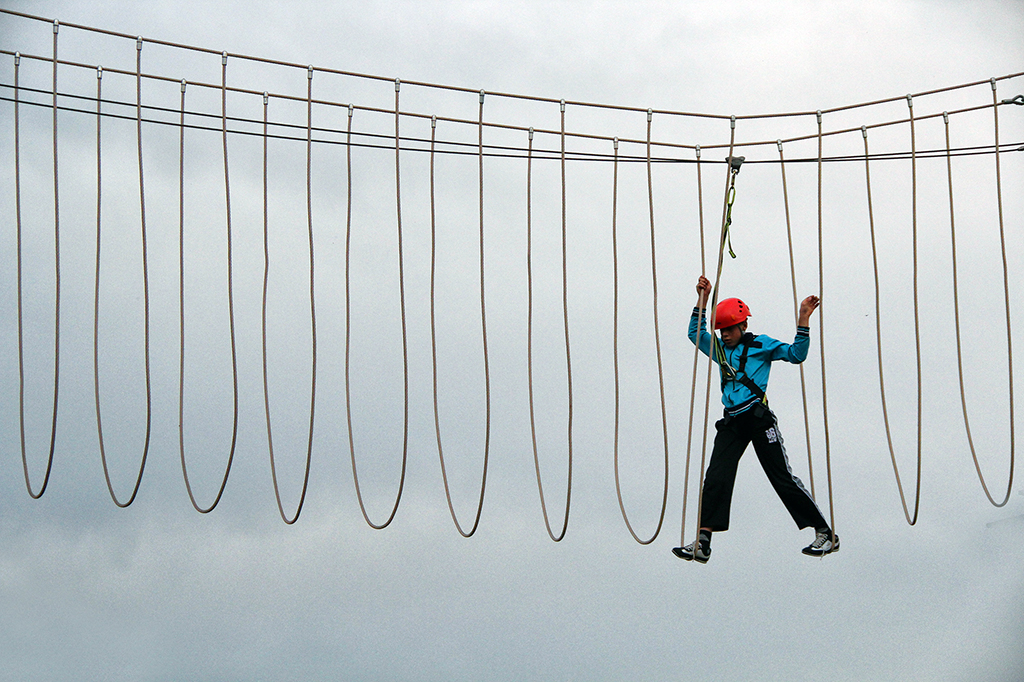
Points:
[(739, 374)]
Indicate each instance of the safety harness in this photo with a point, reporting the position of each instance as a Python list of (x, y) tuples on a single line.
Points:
[(729, 373)]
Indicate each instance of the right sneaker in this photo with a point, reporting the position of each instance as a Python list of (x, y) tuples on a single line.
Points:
[(823, 544), (702, 554)]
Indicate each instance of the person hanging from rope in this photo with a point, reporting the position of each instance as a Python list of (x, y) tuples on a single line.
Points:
[(745, 363)]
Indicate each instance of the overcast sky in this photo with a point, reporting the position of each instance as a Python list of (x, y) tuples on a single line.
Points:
[(159, 592)]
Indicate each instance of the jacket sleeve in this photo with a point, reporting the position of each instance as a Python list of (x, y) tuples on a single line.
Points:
[(795, 352), (699, 329)]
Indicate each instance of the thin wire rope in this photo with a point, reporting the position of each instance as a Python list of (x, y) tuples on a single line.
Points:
[(911, 519), (181, 300), (56, 334), (348, 329), (657, 345), (145, 279), (529, 358), (312, 313), (796, 312), (729, 177), (821, 343), (696, 356), (483, 327), (275, 62), (513, 127), (956, 314)]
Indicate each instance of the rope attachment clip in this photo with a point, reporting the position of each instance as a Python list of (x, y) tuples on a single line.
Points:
[(1018, 100)]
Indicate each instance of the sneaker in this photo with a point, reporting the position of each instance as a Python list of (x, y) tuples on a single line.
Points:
[(702, 555), (822, 544)]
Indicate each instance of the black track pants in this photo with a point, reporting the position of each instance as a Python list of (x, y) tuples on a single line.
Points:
[(759, 426)]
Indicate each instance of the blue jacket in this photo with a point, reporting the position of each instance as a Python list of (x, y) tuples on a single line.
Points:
[(736, 397)]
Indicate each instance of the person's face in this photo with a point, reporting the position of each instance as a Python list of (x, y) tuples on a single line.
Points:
[(731, 335)]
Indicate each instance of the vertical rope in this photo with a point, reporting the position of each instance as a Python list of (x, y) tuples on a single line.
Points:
[(565, 308), (181, 294), (145, 279), (796, 312), (348, 321), (696, 355), (821, 342), (911, 519), (657, 345), (529, 350), (483, 326), (56, 315), (312, 303), (956, 308), (714, 303)]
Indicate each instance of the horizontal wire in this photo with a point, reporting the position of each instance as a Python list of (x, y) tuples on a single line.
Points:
[(453, 147), (506, 95)]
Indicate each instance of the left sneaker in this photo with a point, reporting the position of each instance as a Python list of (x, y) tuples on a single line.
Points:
[(822, 544)]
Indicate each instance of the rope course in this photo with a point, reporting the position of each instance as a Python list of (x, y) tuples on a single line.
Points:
[(357, 125)]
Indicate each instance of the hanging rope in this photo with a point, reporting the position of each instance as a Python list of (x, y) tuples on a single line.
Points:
[(529, 357), (796, 311), (312, 303), (145, 280), (483, 327), (181, 296), (348, 322), (956, 310), (730, 178), (696, 355), (821, 341), (911, 519), (56, 314), (657, 342)]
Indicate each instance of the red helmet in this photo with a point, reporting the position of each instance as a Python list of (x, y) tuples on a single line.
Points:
[(730, 312)]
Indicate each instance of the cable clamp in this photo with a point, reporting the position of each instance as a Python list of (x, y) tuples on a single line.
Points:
[(224, 58), (993, 82), (779, 143), (697, 149), (1018, 100), (650, 115), (433, 121), (732, 122), (138, 44), (945, 117), (17, 58), (481, 97), (309, 72), (864, 131), (531, 133), (183, 84), (266, 98), (818, 114), (910, 101), (398, 84), (350, 109), (56, 26), (99, 72), (561, 105), (615, 143)]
